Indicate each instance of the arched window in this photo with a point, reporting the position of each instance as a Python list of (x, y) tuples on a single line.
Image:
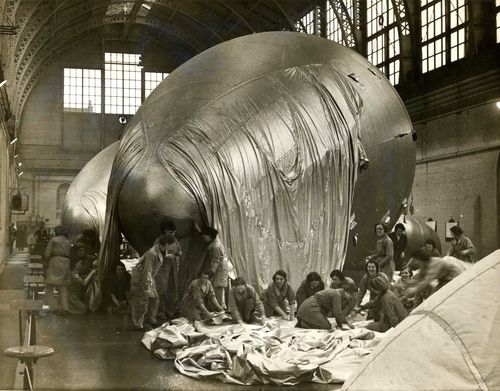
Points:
[(61, 195), (385, 24), (444, 32), (331, 19)]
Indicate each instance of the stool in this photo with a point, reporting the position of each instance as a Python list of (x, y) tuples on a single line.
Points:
[(35, 268), (28, 355), (34, 284), (35, 257), (31, 307)]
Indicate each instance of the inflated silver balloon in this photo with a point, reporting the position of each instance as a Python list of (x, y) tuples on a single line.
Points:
[(265, 138), (85, 203), (418, 232)]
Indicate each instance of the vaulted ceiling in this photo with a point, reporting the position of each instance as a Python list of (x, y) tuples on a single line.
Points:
[(43, 30)]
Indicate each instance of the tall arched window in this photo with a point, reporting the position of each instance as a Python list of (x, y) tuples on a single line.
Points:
[(444, 32), (61, 195), (383, 36), (340, 21), (309, 23)]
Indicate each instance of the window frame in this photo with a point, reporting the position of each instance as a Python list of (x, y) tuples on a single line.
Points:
[(121, 64), (84, 107), (444, 38), (383, 42)]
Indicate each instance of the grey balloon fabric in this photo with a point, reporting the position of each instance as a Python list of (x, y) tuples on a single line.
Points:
[(262, 137), (450, 342), (418, 232), (85, 203)]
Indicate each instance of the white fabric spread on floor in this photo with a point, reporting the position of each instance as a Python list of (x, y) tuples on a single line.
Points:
[(252, 354)]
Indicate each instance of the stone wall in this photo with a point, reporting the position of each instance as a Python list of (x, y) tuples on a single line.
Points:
[(457, 173)]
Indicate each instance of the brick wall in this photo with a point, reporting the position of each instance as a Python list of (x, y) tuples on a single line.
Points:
[(457, 173)]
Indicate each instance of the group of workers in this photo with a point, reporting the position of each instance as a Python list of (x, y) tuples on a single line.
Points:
[(71, 269), (312, 304)]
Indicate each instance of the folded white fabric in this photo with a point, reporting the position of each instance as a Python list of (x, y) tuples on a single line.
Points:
[(252, 354)]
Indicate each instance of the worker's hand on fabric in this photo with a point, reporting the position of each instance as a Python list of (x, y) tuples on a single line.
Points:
[(285, 317), (349, 324)]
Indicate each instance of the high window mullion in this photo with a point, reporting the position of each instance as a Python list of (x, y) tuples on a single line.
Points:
[(123, 83), (383, 38), (82, 90), (444, 32)]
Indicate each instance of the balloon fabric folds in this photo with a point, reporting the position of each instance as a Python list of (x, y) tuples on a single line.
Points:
[(263, 138)]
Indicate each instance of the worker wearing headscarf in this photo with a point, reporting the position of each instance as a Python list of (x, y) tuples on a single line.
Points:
[(313, 312), (392, 311)]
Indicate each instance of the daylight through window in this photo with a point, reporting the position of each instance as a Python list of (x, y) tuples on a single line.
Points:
[(444, 32), (152, 80), (82, 90), (122, 92), (383, 38)]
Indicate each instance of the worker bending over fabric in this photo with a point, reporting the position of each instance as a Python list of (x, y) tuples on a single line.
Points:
[(432, 269), (275, 295), (244, 303), (309, 287), (390, 307), (199, 297), (313, 312)]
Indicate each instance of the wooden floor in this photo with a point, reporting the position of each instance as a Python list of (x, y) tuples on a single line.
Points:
[(93, 351)]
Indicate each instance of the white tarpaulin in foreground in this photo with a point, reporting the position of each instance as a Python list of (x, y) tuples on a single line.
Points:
[(275, 353), (450, 342)]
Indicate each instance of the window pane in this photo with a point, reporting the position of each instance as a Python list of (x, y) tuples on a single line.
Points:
[(152, 80), (82, 90), (498, 25)]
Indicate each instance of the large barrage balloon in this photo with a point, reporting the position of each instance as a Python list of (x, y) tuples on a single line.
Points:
[(263, 137), (418, 232), (85, 203)]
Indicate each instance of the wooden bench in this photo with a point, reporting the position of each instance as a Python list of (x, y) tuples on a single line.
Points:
[(28, 355)]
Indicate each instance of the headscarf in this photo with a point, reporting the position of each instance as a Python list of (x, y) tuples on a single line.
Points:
[(380, 283), (349, 285)]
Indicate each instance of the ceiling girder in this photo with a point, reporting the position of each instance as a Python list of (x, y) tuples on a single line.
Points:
[(48, 28), (346, 23), (27, 84)]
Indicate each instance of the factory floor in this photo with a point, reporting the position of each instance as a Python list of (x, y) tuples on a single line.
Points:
[(92, 351)]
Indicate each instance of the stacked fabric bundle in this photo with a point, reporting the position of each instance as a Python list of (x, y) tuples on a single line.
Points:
[(252, 354)]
